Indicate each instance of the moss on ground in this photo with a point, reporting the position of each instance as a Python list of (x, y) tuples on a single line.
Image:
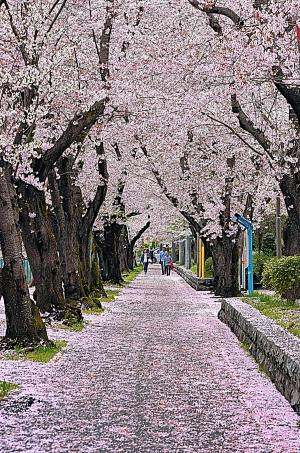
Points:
[(245, 346), (77, 327), (285, 313), (111, 295), (43, 353), (7, 387), (194, 268), (93, 311), (129, 277), (92, 305)]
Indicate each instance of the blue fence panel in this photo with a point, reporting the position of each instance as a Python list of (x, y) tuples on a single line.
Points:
[(26, 267)]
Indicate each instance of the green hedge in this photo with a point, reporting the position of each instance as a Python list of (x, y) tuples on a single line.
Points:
[(283, 276), (259, 262), (209, 268)]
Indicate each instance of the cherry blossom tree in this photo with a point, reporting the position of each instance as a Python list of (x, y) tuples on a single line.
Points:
[(261, 42), (49, 105)]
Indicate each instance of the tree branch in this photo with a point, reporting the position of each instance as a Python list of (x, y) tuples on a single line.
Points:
[(104, 48), (171, 197), (248, 126), (139, 234), (291, 94), (95, 205), (56, 15), (220, 10), (78, 126), (234, 132)]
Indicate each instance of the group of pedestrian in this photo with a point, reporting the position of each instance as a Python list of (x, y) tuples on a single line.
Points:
[(165, 260)]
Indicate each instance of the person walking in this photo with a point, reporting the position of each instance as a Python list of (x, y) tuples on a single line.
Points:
[(161, 260), (168, 261), (145, 259), (151, 255)]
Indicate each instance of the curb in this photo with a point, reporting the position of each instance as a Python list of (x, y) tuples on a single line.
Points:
[(276, 350), (199, 284)]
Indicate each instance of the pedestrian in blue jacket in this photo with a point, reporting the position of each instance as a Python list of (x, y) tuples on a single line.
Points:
[(145, 259), (162, 260)]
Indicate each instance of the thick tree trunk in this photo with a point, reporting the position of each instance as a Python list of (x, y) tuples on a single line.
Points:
[(90, 273), (131, 258), (85, 258), (290, 189), (109, 245), (124, 247), (73, 229), (23, 322), (66, 202), (41, 250), (225, 257)]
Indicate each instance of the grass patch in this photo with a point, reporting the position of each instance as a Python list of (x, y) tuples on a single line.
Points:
[(194, 268), (245, 347), (93, 311), (111, 295), (6, 387), (39, 354), (285, 313), (261, 368), (129, 277), (78, 327)]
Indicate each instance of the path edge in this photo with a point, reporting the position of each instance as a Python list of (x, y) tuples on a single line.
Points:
[(199, 284), (275, 350)]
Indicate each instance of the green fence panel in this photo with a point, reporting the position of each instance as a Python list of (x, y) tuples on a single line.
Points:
[(26, 266)]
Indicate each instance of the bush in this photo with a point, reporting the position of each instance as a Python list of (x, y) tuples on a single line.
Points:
[(269, 244), (283, 276), (209, 268), (259, 262)]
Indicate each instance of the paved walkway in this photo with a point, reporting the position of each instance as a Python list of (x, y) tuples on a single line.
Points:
[(157, 373)]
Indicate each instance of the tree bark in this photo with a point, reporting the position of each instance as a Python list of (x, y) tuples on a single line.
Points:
[(41, 248), (23, 322), (133, 242), (124, 249), (73, 224), (66, 203), (108, 246), (290, 189), (225, 257)]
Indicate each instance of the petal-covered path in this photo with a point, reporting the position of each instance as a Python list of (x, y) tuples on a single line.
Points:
[(156, 373)]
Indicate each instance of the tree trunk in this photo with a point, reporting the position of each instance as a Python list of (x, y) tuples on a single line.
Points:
[(23, 322), (111, 269), (85, 258), (290, 189), (225, 260), (41, 248), (124, 247), (65, 224), (73, 229), (131, 258)]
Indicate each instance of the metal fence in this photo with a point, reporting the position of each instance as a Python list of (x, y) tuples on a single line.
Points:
[(27, 269)]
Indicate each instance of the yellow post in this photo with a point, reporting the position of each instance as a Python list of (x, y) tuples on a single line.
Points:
[(198, 256), (201, 259)]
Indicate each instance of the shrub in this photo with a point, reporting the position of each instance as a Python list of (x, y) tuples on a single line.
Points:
[(259, 262), (283, 276), (269, 244), (209, 268)]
